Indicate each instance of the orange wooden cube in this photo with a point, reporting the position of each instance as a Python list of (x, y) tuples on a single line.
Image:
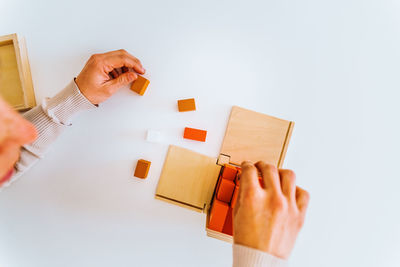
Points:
[(228, 225), (219, 211), (225, 190), (142, 168), (186, 105), (140, 85), (195, 134), (235, 196), (229, 172)]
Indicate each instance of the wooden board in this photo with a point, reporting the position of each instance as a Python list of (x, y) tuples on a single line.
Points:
[(188, 179), (255, 136), (15, 76)]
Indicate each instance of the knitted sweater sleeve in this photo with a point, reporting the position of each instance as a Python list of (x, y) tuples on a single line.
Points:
[(50, 119), (246, 256)]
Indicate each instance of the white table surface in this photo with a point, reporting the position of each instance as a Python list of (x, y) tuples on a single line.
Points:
[(330, 66)]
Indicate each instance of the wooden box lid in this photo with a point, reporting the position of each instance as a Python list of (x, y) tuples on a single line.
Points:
[(188, 179), (255, 136)]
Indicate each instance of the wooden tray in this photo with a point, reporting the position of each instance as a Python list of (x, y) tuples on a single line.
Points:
[(15, 74), (189, 179)]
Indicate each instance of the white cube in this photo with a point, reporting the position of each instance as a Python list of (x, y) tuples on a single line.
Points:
[(154, 136)]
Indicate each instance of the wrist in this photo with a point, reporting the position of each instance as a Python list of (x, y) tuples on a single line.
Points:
[(63, 106), (247, 256)]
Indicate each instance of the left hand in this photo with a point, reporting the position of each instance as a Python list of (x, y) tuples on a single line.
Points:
[(95, 82)]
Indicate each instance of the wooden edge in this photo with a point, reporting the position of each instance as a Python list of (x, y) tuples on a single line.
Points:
[(13, 40), (9, 37), (29, 93), (24, 70), (181, 204), (216, 234), (223, 159), (286, 144), (220, 236), (18, 56), (209, 202), (226, 130), (207, 205), (261, 113)]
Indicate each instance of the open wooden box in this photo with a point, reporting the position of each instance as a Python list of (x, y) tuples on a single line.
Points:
[(189, 179), (16, 85)]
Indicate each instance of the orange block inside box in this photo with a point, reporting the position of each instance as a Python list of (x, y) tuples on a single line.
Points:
[(229, 172), (218, 214), (225, 190), (228, 225)]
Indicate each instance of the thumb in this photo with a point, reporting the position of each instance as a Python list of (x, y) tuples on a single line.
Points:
[(122, 80)]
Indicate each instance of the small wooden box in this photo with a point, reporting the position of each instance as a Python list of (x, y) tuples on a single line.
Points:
[(189, 179), (16, 85)]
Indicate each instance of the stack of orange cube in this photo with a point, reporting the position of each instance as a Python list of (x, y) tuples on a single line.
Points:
[(221, 215)]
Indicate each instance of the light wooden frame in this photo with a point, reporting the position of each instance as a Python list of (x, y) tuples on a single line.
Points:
[(25, 98)]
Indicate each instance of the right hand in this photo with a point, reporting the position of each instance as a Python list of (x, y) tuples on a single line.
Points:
[(269, 218), (95, 82)]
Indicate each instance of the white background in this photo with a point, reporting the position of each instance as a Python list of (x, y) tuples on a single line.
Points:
[(330, 66)]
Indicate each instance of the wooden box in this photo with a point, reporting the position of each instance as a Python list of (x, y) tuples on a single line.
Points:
[(15, 74), (189, 179)]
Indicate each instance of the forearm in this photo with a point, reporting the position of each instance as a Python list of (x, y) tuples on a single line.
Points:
[(246, 256), (50, 120)]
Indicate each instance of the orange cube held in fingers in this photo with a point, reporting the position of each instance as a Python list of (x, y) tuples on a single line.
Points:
[(219, 211), (229, 172), (142, 168), (140, 85), (195, 134), (225, 190), (186, 105)]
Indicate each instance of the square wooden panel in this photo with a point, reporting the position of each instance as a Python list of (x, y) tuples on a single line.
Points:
[(188, 179), (255, 136), (15, 75)]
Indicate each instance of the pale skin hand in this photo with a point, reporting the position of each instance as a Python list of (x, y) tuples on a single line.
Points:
[(95, 82), (269, 218)]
